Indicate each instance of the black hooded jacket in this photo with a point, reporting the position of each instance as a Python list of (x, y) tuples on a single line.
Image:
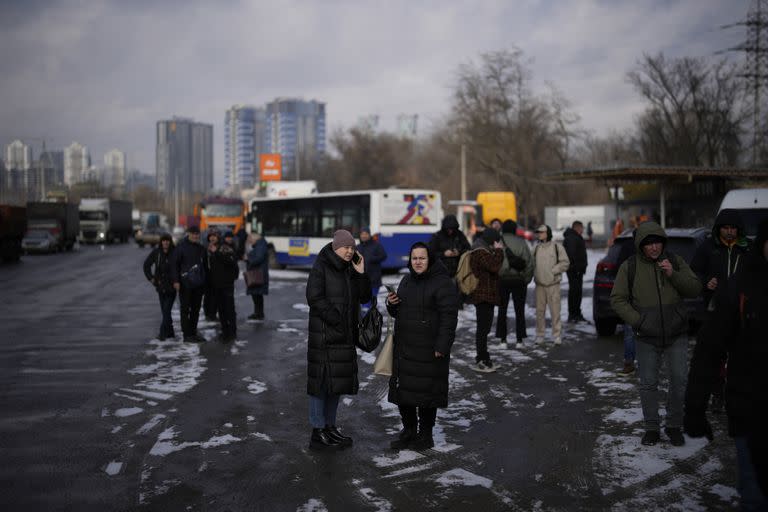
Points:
[(425, 323), (443, 241), (738, 327), (715, 259), (576, 249), (157, 269), (335, 291)]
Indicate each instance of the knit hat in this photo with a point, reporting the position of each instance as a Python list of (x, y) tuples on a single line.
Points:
[(365, 229), (490, 235), (342, 238)]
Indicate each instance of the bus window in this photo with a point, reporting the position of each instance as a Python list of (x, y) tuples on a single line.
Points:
[(287, 223), (328, 222), (307, 221)]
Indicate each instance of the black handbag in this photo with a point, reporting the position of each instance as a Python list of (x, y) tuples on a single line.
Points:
[(370, 329), (253, 277), (193, 278)]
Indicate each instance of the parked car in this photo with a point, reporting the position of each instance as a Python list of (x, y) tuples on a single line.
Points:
[(39, 240), (148, 236), (682, 242)]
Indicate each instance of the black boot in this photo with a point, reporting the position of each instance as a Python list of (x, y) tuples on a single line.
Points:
[(320, 440), (424, 439), (335, 434), (404, 439)]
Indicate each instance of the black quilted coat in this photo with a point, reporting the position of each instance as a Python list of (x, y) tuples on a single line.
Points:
[(334, 294), (425, 323)]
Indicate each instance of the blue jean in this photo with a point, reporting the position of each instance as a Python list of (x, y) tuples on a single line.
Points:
[(649, 358), (166, 305), (322, 410), (629, 344), (752, 498)]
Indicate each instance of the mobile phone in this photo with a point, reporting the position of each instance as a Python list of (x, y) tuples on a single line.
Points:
[(389, 288), (356, 258)]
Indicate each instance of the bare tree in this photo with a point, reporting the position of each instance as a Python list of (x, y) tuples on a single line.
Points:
[(513, 135), (695, 113)]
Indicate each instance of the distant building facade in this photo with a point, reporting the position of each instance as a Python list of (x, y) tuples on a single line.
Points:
[(296, 130), (77, 162), (244, 140), (115, 168), (54, 159), (184, 157)]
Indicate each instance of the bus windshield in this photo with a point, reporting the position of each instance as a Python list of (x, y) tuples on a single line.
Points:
[(223, 210)]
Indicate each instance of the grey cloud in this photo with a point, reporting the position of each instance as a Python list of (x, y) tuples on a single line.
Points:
[(103, 73)]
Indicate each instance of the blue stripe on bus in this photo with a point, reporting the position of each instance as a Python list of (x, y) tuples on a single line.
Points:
[(397, 247)]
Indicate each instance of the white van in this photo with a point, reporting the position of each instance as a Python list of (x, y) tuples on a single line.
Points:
[(752, 203)]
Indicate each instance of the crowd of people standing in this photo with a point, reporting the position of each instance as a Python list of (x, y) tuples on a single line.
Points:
[(649, 293)]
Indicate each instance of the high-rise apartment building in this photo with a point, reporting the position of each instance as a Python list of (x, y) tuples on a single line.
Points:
[(77, 162), (18, 161), (244, 141), (184, 157), (115, 168), (54, 159), (296, 130)]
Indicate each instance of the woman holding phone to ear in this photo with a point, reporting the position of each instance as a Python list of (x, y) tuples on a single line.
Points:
[(425, 309), (335, 289)]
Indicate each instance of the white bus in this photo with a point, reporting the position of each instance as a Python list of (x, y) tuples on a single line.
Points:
[(297, 228)]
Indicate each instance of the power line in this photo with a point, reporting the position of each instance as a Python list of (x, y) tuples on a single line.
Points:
[(755, 66)]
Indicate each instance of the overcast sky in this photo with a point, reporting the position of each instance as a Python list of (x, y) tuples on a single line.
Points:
[(102, 73)]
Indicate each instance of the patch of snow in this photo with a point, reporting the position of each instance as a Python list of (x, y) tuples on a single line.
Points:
[(255, 387), (460, 476), (128, 411), (113, 468), (156, 419), (313, 505), (301, 307), (263, 437), (383, 461)]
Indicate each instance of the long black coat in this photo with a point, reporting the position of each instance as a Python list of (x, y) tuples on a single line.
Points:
[(373, 254), (425, 323), (157, 267), (335, 291), (186, 255), (223, 269), (576, 249)]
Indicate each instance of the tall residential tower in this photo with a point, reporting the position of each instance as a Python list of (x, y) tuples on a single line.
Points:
[(184, 157), (244, 141), (296, 130)]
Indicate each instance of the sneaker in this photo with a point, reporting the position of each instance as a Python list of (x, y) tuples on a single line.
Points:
[(519, 345), (558, 341), (650, 438), (484, 367), (503, 345), (629, 368), (539, 340), (675, 435)]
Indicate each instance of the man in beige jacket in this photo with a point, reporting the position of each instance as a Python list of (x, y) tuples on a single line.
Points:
[(551, 261)]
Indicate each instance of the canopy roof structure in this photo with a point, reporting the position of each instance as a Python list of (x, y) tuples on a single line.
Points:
[(621, 174)]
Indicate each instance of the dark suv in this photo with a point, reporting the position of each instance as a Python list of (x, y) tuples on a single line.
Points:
[(683, 242)]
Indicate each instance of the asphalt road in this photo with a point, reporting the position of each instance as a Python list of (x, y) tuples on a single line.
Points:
[(98, 415)]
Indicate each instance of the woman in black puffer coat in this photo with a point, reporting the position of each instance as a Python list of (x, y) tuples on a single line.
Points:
[(335, 289), (425, 309), (157, 269)]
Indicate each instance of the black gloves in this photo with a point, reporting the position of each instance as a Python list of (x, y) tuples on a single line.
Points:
[(696, 425)]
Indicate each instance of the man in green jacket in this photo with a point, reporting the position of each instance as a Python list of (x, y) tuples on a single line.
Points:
[(648, 295)]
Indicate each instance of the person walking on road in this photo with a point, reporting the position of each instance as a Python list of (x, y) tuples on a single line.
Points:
[(485, 263), (449, 244), (336, 288), (648, 295), (425, 309), (374, 255), (223, 274), (715, 261), (258, 258), (515, 274), (209, 298), (550, 260), (736, 325), (188, 275), (577, 255), (157, 269)]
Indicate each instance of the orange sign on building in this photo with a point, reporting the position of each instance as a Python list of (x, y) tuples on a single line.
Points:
[(271, 167)]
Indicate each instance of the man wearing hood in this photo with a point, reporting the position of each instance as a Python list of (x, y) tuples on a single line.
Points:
[(715, 261), (550, 260), (449, 244), (648, 295), (737, 327), (577, 253)]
